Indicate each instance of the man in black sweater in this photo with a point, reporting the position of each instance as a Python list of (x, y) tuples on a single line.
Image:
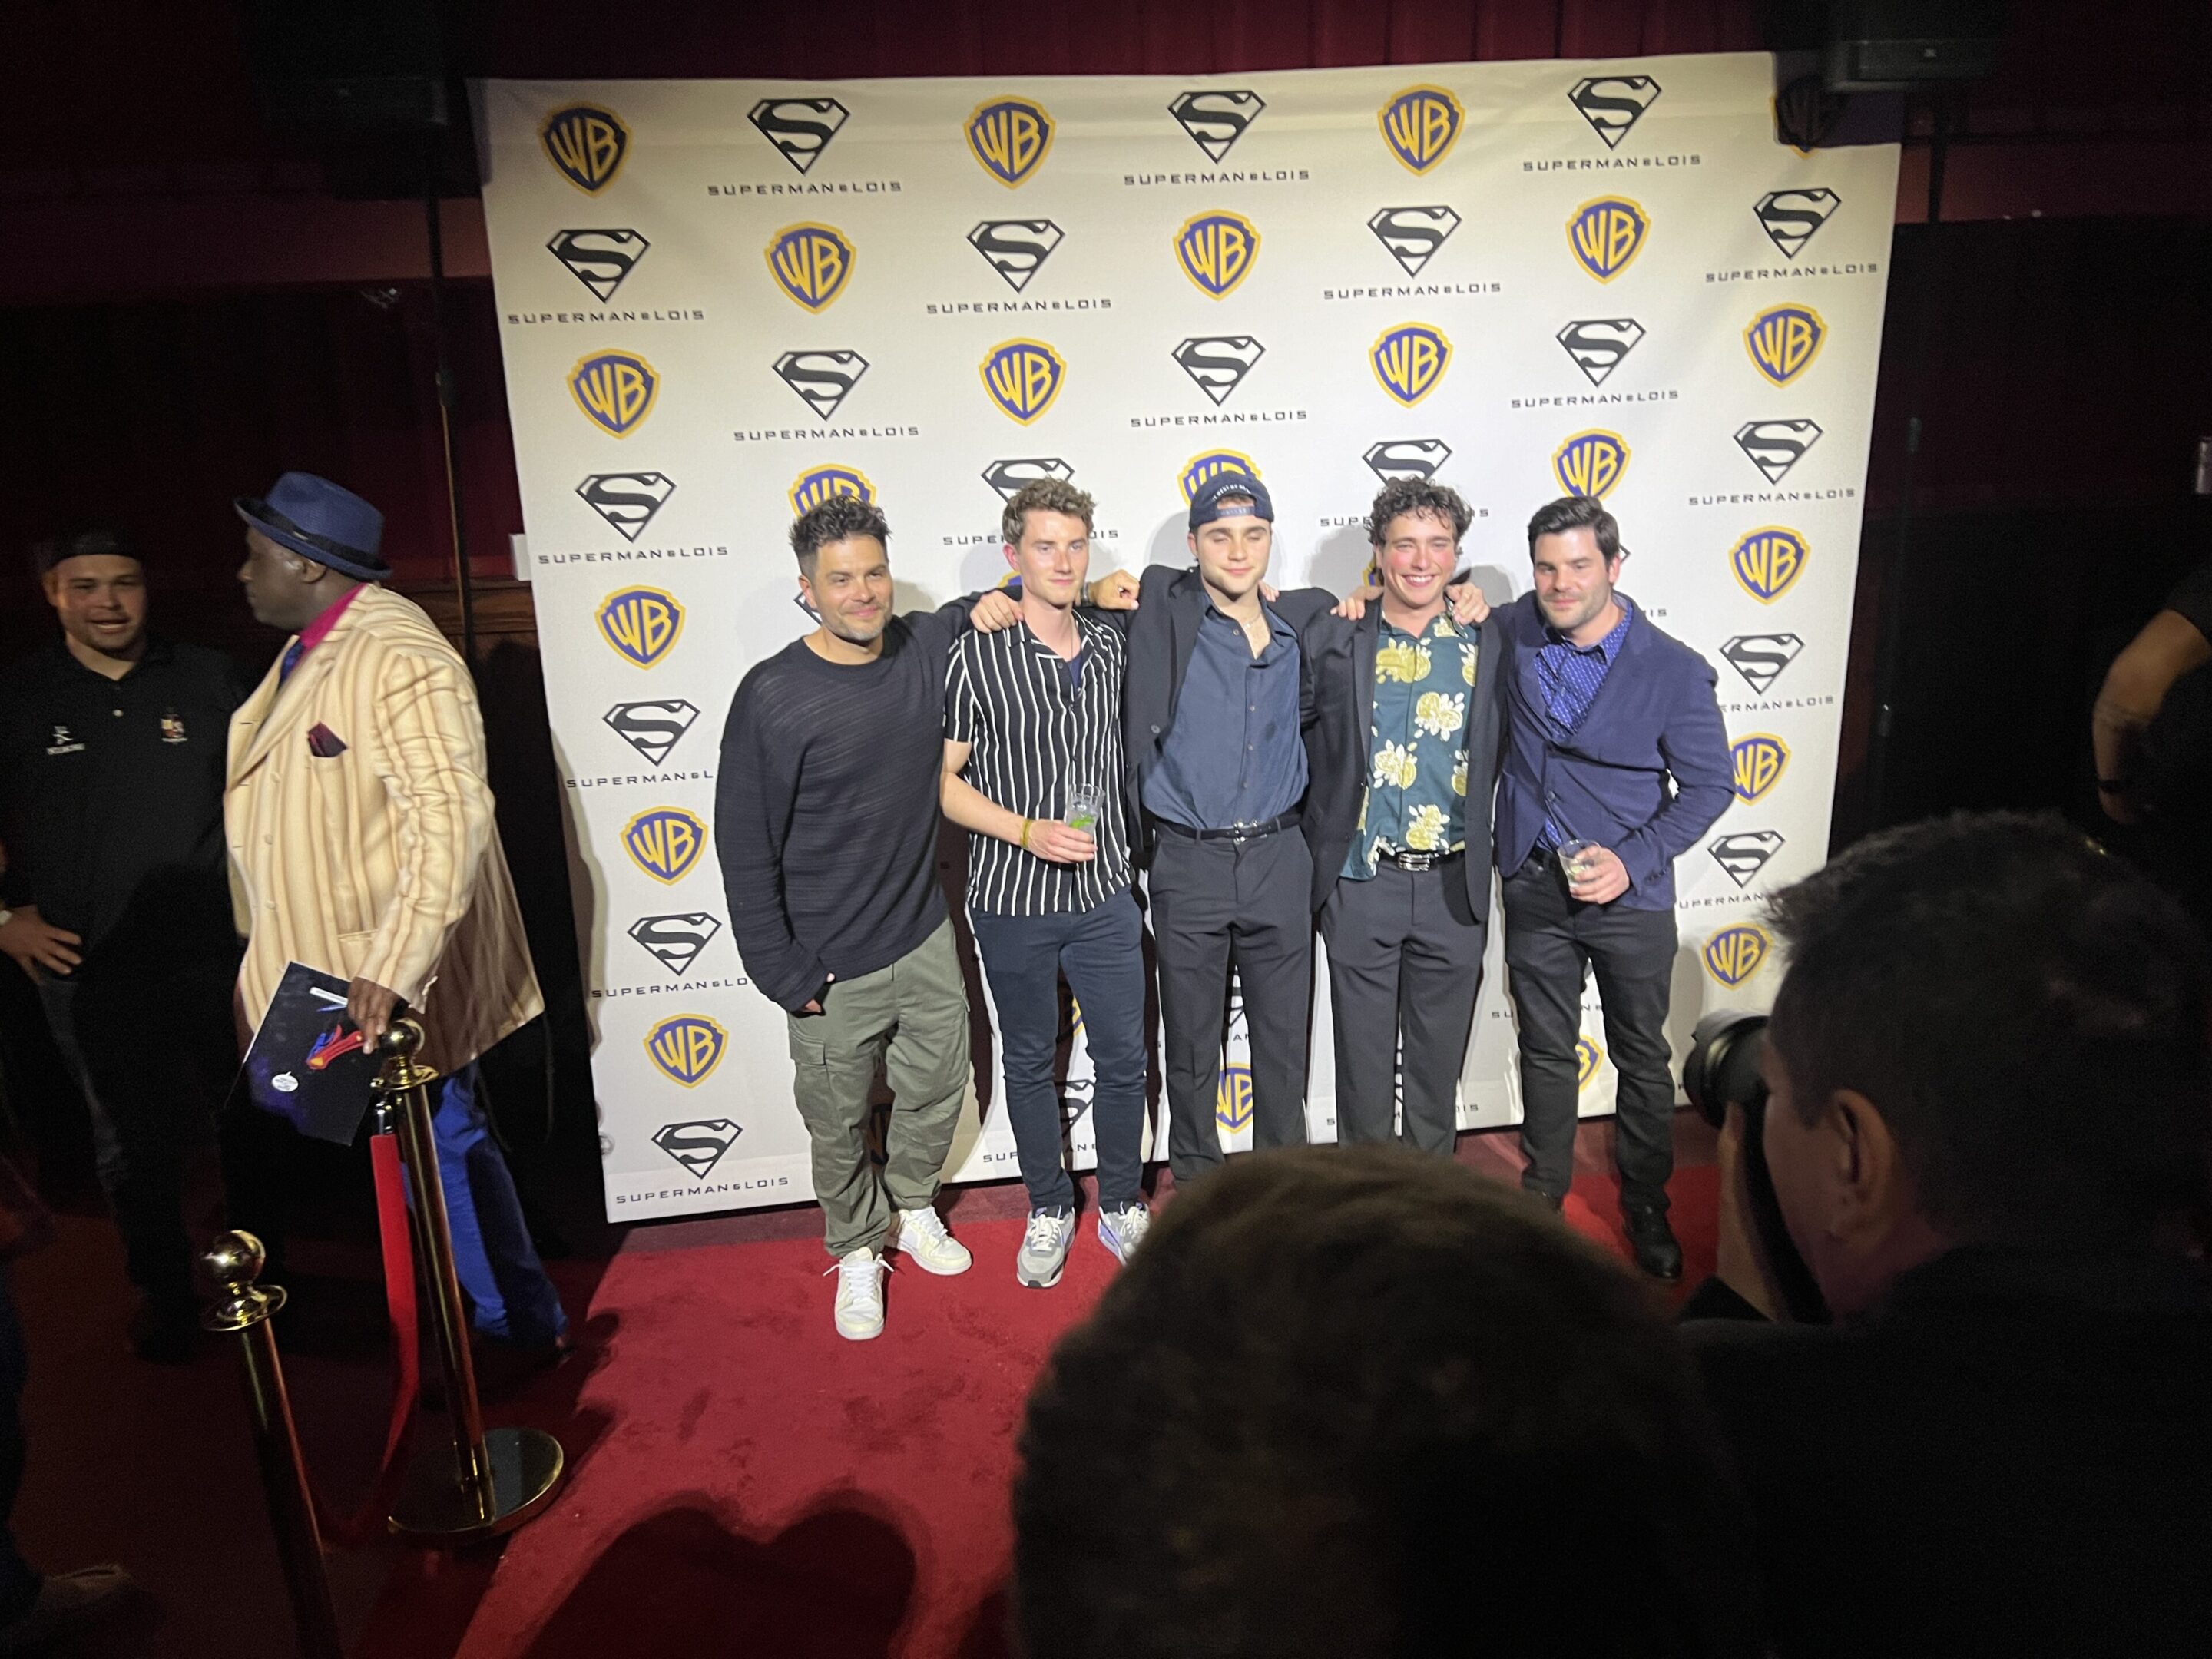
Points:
[(826, 817), (1987, 1076)]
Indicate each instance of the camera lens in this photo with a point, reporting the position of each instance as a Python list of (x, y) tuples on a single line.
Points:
[(1723, 1067)]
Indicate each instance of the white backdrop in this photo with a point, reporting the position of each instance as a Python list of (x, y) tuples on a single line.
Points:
[(721, 300)]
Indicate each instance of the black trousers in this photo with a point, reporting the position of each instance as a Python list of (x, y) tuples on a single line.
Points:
[(1405, 962), (1552, 942), (154, 1049), (1218, 905)]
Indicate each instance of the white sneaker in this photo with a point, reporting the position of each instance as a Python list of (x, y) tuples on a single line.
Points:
[(859, 1309), (1122, 1231), (921, 1234), (1044, 1248)]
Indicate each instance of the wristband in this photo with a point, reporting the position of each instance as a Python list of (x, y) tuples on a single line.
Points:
[(1026, 823)]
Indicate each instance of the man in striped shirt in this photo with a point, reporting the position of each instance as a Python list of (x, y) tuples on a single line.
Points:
[(1033, 768)]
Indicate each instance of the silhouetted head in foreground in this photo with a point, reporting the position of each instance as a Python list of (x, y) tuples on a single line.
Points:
[(1348, 1402)]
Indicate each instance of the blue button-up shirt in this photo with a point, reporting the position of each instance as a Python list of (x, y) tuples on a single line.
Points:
[(1234, 755), (1569, 675)]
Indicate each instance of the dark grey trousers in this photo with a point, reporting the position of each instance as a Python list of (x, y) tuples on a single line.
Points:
[(1404, 962), (1551, 943), (1215, 905)]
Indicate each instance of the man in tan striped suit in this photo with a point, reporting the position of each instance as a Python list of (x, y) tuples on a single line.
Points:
[(362, 844)]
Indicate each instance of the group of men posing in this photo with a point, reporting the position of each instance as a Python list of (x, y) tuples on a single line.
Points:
[(1274, 761)]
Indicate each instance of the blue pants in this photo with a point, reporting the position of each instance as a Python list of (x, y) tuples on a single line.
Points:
[(509, 1295), (1100, 951)]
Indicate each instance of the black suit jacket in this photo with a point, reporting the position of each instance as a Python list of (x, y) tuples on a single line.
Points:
[(1337, 712), (1163, 633), (2010, 1457)]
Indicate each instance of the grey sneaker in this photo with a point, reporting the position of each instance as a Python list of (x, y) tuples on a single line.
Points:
[(1044, 1248), (1122, 1231)]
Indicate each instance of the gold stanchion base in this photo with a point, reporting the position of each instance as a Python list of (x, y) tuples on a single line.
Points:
[(527, 1466)]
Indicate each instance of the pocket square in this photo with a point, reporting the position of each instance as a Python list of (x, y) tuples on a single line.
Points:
[(324, 744)]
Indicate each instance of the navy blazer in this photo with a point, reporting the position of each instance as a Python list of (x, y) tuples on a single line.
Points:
[(1163, 633), (1338, 714), (1646, 774)]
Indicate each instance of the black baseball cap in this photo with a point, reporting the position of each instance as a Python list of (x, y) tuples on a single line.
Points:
[(83, 544), (1205, 501)]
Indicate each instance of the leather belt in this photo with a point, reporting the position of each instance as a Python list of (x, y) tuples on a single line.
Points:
[(1234, 832), (1417, 860)]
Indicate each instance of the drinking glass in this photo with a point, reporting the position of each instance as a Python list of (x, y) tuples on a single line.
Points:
[(1575, 858), (1085, 799)]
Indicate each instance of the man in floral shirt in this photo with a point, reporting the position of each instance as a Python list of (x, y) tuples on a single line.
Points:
[(1402, 724)]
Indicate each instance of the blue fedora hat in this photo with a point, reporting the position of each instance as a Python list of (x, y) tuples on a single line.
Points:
[(319, 520)]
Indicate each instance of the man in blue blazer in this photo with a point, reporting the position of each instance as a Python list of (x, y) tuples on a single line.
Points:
[(1614, 740)]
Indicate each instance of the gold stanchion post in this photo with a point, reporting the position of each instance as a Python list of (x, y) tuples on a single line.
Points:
[(487, 1483), (236, 1261)]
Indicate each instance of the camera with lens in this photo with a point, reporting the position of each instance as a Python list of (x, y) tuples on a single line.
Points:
[(1723, 1070)]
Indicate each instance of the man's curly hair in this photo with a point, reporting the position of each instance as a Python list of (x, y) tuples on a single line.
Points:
[(1423, 499), (835, 521), (1044, 495)]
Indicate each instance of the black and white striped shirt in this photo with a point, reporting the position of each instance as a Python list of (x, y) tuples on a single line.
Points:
[(1037, 725)]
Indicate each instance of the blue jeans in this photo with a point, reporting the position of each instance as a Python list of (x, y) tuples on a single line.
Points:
[(1100, 951), (509, 1295)]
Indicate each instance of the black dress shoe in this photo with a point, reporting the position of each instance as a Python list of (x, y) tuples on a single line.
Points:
[(1653, 1242)]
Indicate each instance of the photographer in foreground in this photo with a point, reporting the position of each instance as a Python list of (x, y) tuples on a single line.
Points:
[(1984, 1113)]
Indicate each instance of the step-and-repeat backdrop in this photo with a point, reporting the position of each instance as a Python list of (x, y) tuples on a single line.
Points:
[(722, 301)]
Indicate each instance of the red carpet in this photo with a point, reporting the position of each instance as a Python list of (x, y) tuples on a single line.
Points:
[(744, 1481)]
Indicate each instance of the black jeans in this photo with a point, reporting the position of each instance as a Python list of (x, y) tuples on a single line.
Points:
[(19, 1582), (154, 1049), (1219, 904), (1101, 951), (1552, 941)]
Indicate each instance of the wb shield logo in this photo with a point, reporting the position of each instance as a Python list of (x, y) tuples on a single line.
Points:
[(1010, 138), (1790, 217), (627, 500), (687, 1047), (1756, 763), (1783, 341), (1023, 377), (1742, 856), (664, 842), (811, 263), (823, 379), (1606, 234), (1775, 447), (1587, 1058), (799, 128), (1199, 468), (642, 623), (675, 941), (1214, 121), (616, 389), (817, 484), (1216, 251), (1016, 248), (1007, 477), (1733, 955), (1412, 235), (652, 728), (697, 1146), (1767, 561), (1613, 104), (1590, 462), (1598, 343), (1760, 657), (1409, 360), (1420, 125), (1218, 363), (1232, 1098), (1406, 457), (586, 144), (599, 259)]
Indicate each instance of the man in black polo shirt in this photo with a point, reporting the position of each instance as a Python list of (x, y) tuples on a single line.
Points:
[(1033, 719), (826, 816), (111, 744)]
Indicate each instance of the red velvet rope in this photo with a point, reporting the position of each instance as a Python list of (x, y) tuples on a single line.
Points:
[(367, 1522)]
